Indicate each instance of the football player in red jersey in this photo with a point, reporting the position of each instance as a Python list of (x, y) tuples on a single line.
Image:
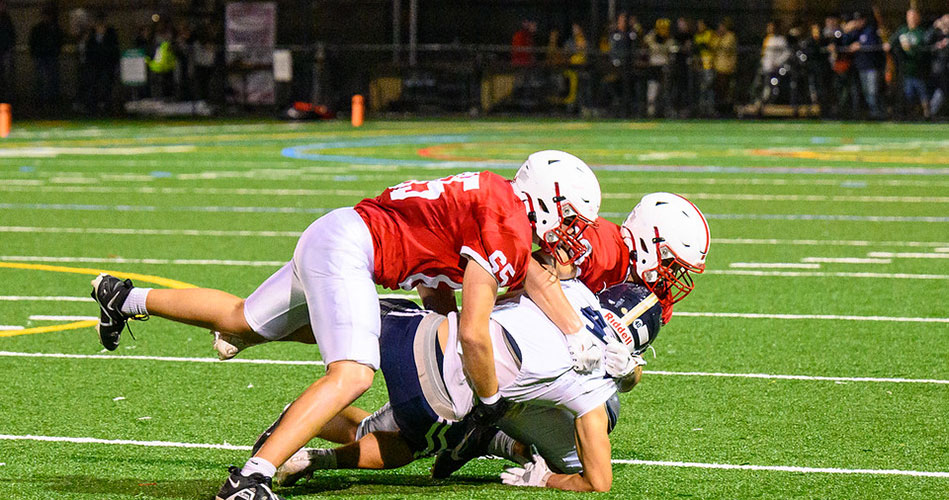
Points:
[(472, 231), (662, 241)]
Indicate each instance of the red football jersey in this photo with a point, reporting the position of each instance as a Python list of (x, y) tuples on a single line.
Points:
[(423, 231), (608, 261)]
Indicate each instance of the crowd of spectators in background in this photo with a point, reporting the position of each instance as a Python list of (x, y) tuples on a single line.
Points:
[(852, 66), (849, 66), (182, 60)]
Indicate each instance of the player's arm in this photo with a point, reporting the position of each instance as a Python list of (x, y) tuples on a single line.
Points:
[(440, 299), (478, 293), (543, 287), (593, 448)]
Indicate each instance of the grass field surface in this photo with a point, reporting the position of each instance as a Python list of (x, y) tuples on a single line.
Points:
[(811, 361)]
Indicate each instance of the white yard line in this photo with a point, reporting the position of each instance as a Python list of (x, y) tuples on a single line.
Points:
[(320, 363), (10, 327), (44, 298), (841, 243), (822, 274), (213, 232), (370, 192), (617, 461), (773, 265), (909, 255), (783, 468), (770, 376), (146, 232), (794, 197), (46, 317), (119, 260), (161, 358), (846, 260), (830, 317)]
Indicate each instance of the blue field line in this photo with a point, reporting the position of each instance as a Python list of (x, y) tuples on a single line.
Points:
[(308, 152), (322, 210)]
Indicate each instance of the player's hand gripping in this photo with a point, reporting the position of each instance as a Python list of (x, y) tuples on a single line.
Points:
[(534, 473), (584, 351), (486, 415), (619, 362)]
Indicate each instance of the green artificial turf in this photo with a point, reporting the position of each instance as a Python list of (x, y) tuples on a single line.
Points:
[(781, 199)]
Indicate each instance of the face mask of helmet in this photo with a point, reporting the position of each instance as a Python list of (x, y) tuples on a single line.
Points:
[(564, 242), (671, 279)]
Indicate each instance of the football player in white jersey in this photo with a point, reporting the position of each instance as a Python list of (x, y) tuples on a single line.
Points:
[(429, 393)]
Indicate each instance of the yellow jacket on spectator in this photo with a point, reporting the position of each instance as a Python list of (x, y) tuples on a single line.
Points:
[(164, 61), (725, 53)]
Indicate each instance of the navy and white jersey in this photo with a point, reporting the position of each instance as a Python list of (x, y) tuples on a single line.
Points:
[(545, 375)]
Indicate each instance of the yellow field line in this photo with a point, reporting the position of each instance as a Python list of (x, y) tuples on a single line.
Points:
[(155, 280), (53, 328)]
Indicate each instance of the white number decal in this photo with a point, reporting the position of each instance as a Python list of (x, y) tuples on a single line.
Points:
[(431, 190), (500, 267)]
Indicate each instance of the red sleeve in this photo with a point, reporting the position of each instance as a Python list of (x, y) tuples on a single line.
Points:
[(608, 261), (500, 234)]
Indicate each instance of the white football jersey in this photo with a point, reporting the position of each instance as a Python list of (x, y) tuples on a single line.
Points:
[(546, 376)]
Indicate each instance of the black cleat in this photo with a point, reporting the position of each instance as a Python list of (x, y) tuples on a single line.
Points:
[(110, 293), (473, 445), (253, 487)]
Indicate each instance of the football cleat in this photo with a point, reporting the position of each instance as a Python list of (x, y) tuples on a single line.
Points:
[(296, 467), (227, 345), (110, 293), (253, 487), (473, 445)]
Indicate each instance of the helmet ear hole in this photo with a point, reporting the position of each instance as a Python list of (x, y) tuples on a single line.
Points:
[(543, 206)]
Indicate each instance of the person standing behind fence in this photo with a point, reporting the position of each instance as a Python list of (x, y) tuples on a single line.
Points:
[(576, 48), (724, 63), (704, 40), (908, 43), (102, 56), (620, 55), (659, 43), (46, 41), (938, 40), (522, 45), (7, 45), (868, 60)]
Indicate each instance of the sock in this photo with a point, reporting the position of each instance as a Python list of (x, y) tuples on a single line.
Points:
[(502, 445), (257, 465), (135, 302), (322, 458)]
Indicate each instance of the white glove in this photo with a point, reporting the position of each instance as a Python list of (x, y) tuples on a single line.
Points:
[(534, 473), (584, 351), (619, 362)]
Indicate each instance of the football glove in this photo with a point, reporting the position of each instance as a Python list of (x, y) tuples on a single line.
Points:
[(485, 415), (619, 362), (584, 351), (534, 473)]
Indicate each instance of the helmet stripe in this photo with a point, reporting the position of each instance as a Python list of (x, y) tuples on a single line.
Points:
[(640, 308)]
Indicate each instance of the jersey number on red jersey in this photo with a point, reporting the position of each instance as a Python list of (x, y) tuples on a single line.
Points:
[(432, 190)]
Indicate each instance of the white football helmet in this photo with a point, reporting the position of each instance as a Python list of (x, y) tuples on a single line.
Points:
[(562, 197), (668, 239)]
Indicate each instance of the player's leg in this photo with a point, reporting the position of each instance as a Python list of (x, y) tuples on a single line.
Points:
[(333, 265), (376, 450), (273, 311)]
